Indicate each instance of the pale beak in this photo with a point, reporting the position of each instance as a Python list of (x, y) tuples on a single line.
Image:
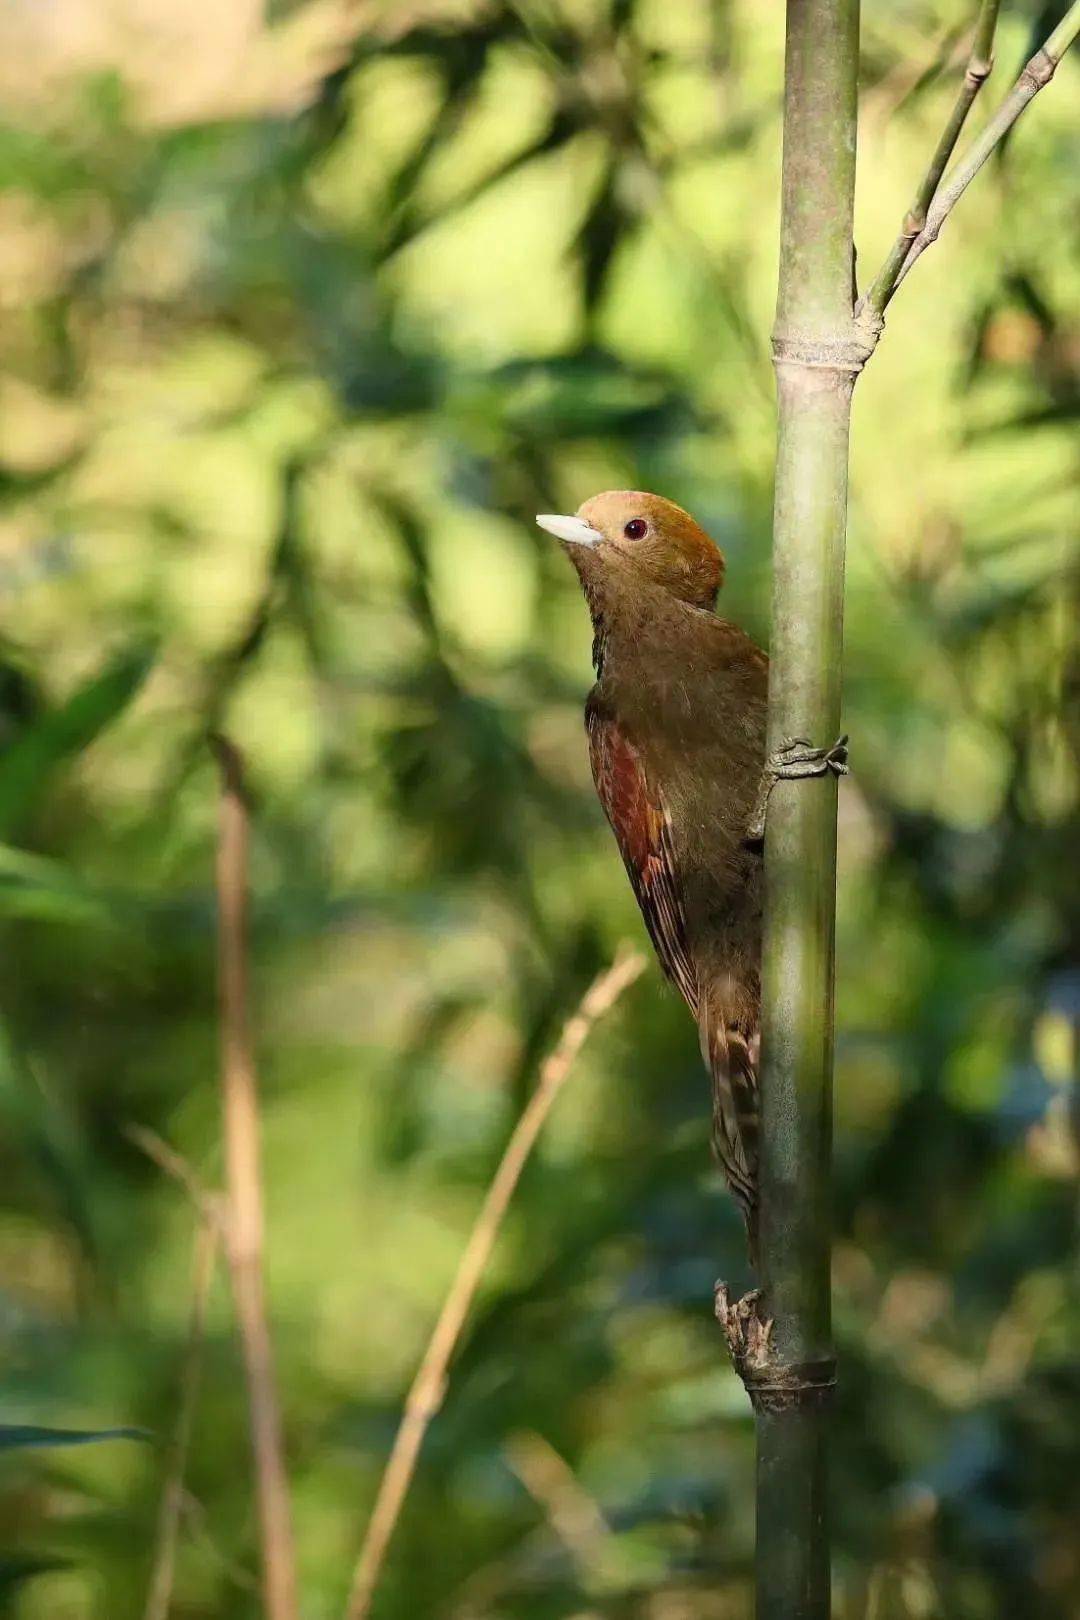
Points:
[(573, 529)]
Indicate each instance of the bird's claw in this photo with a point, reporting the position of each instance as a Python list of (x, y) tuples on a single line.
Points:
[(794, 759), (797, 757), (747, 1331)]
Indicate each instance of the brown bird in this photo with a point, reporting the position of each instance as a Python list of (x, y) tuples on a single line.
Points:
[(676, 729)]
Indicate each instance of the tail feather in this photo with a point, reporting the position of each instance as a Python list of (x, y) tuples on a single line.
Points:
[(731, 1054)]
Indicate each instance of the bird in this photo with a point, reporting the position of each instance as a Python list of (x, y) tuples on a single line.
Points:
[(676, 728)]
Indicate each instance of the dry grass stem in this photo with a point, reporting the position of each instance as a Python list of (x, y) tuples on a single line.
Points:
[(159, 1592), (573, 1515), (426, 1393), (244, 1203)]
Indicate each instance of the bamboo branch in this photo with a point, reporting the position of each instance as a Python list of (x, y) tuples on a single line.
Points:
[(244, 1203), (174, 1165), (160, 1589), (1035, 76), (428, 1387), (979, 66)]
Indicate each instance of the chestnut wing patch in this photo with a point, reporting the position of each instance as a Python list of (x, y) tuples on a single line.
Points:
[(642, 829)]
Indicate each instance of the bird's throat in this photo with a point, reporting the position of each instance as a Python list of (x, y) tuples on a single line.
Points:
[(637, 624)]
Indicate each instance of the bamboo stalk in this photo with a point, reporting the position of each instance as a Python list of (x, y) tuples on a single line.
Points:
[(781, 1340), (817, 356), (243, 1195), (426, 1394)]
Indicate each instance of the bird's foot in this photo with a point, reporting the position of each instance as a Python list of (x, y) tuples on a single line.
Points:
[(747, 1332), (772, 1384), (793, 760)]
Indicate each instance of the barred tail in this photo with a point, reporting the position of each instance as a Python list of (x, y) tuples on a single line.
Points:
[(731, 1054)]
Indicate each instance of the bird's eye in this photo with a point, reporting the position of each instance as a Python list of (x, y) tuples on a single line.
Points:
[(636, 529)]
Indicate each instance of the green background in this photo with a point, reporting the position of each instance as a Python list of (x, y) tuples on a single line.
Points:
[(306, 309)]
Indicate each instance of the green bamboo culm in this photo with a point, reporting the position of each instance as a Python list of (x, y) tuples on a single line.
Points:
[(817, 359)]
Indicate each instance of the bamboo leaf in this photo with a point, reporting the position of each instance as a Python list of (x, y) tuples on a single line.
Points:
[(409, 223), (31, 760), (35, 887), (36, 1437), (17, 1568)]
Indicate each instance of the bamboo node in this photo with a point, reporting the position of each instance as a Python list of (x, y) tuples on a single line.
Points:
[(1039, 71), (846, 355), (870, 322), (978, 71)]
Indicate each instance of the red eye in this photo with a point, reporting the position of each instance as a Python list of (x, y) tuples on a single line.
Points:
[(636, 529)]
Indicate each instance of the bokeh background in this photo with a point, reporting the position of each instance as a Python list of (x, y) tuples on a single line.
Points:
[(306, 309)]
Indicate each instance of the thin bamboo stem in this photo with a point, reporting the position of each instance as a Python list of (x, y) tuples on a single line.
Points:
[(1035, 77), (210, 1205), (208, 1238), (979, 66), (244, 1202), (428, 1387), (160, 1588)]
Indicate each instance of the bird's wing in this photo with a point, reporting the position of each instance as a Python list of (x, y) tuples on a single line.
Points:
[(642, 828), (727, 1018)]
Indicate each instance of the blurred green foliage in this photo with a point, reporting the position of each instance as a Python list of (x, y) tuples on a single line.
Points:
[(305, 313)]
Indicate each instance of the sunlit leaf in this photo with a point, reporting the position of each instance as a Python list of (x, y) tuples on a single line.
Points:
[(36, 887), (30, 761), (35, 1437)]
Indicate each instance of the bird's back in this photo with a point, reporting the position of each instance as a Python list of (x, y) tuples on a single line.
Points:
[(697, 716), (677, 732)]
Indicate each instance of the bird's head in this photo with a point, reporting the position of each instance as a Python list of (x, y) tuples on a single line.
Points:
[(630, 535)]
